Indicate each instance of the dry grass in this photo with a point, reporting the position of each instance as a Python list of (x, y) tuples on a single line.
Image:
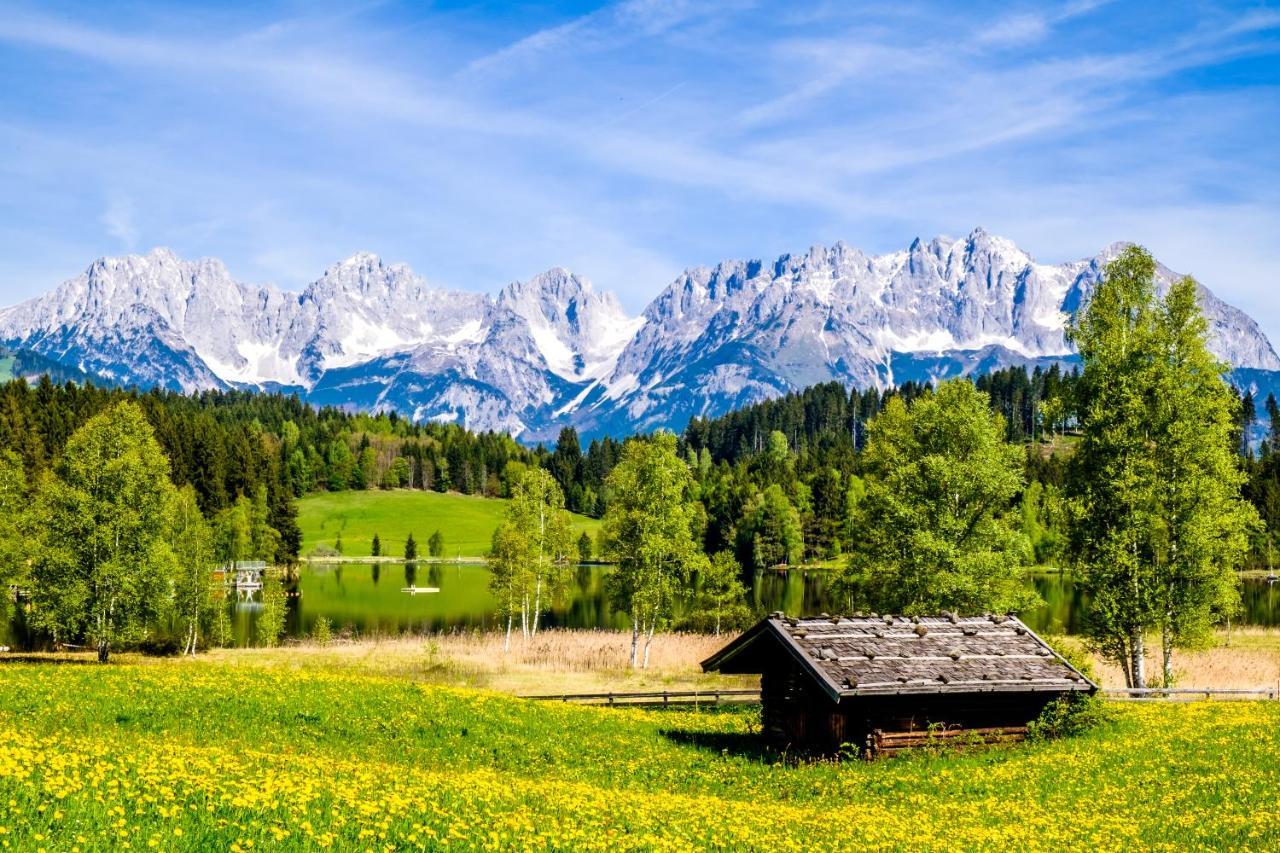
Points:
[(1247, 658), (578, 661), (557, 661)]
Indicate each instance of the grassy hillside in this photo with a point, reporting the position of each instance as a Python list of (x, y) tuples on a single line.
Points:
[(466, 522), (183, 755)]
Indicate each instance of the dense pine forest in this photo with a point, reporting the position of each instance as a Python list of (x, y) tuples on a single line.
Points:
[(774, 479)]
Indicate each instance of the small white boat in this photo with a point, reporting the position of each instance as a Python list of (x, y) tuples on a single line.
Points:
[(419, 590)]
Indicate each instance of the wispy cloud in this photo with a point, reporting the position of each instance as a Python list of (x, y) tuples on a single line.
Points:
[(632, 139), (118, 220)]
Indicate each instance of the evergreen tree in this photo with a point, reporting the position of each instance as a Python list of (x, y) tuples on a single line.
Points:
[(410, 549), (375, 547), (585, 548)]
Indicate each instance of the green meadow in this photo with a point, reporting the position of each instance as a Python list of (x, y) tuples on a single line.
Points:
[(466, 522), (199, 755)]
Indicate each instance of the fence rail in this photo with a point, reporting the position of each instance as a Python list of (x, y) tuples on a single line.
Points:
[(665, 697), (720, 697), (1187, 694)]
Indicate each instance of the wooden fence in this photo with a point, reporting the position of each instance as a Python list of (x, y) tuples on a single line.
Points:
[(720, 697)]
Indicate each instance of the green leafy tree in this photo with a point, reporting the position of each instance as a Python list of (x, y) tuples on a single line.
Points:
[(103, 565), (435, 545), (1157, 524), (586, 548), (932, 528), (193, 553), (771, 532), (271, 618), (650, 528), (506, 561), (1114, 478), (14, 543), (533, 549), (233, 531), (264, 540), (721, 596)]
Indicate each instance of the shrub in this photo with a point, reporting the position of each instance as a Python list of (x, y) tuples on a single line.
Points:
[(1068, 716), (322, 631)]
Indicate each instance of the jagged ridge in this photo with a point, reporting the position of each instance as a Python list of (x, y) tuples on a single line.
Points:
[(551, 350)]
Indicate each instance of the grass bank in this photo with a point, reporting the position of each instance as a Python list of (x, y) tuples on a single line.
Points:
[(466, 522), (185, 755)]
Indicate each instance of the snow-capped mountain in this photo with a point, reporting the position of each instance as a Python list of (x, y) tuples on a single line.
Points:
[(742, 331), (553, 351)]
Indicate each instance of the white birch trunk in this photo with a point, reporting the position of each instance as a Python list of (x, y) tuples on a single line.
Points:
[(1139, 661)]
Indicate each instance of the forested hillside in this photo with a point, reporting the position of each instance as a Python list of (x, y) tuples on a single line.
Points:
[(774, 479)]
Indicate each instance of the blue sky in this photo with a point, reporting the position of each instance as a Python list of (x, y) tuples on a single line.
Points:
[(482, 143)]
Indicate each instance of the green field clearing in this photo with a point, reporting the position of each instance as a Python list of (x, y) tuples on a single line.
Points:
[(195, 755), (466, 522)]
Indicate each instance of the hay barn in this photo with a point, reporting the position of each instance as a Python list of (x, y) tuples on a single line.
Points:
[(883, 683)]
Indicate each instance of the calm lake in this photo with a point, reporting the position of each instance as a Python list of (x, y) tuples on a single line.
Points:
[(368, 600)]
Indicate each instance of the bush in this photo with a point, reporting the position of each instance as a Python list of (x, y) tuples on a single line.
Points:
[(322, 631), (1068, 716)]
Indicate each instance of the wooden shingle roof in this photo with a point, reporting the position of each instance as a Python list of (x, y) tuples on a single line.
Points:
[(881, 655)]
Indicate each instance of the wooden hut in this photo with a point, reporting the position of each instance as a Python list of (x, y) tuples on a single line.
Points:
[(881, 683)]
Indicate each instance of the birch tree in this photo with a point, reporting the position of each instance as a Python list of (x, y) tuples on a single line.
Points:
[(1114, 482), (532, 550), (101, 566), (1202, 537), (1158, 522), (193, 557), (649, 531)]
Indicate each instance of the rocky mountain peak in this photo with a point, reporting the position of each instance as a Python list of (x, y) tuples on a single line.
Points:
[(551, 349)]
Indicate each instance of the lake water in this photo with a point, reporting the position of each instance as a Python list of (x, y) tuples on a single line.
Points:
[(368, 600)]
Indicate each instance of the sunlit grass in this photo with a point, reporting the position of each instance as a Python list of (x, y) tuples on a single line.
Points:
[(202, 755), (466, 522)]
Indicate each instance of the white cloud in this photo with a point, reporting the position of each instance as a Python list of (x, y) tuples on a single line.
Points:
[(118, 219)]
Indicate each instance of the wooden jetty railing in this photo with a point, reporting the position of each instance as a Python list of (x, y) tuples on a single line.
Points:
[(718, 697)]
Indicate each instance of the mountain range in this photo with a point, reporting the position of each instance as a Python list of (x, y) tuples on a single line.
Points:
[(554, 351)]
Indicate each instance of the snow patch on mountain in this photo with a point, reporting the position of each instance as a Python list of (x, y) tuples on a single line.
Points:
[(553, 350)]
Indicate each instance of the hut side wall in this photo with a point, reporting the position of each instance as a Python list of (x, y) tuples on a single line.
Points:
[(864, 714), (796, 714)]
